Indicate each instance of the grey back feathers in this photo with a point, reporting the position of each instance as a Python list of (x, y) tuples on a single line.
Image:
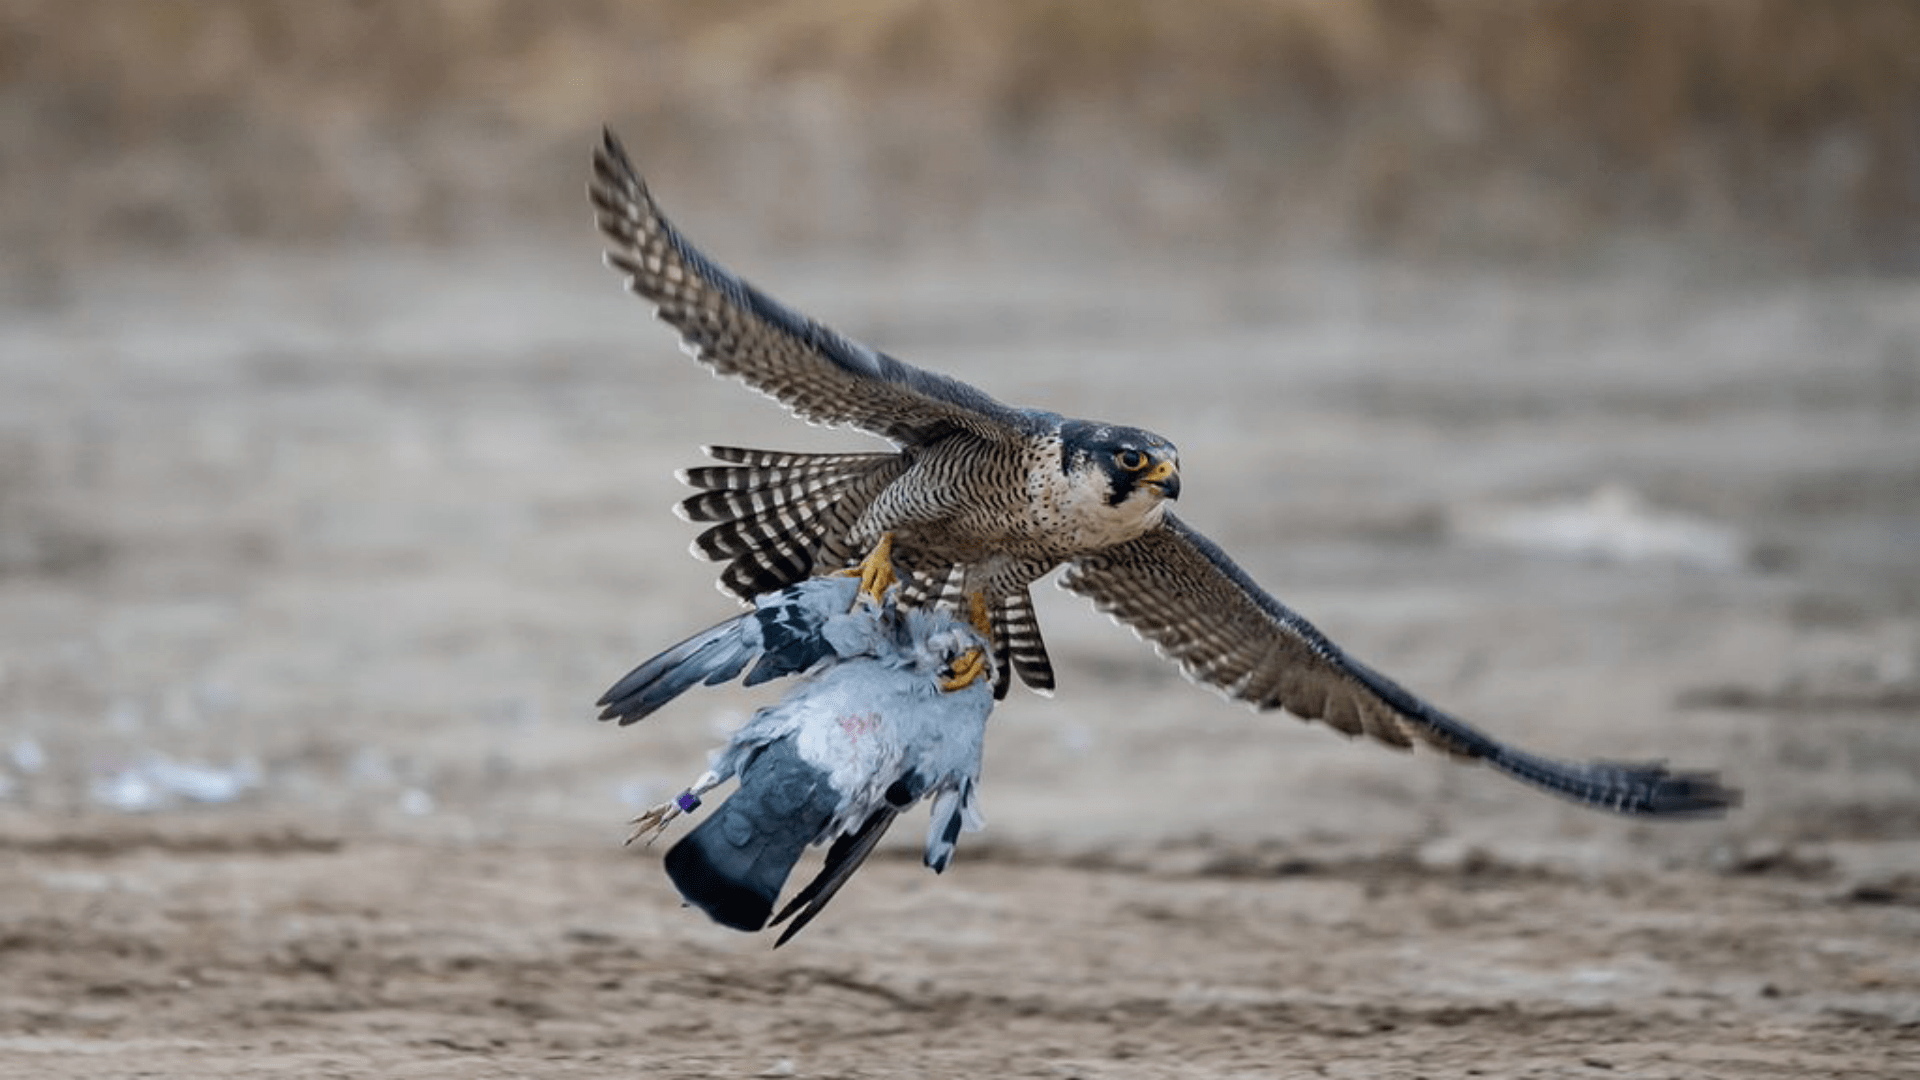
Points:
[(866, 732)]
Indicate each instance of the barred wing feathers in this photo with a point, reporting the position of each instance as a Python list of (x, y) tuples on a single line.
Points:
[(1177, 589), (737, 330)]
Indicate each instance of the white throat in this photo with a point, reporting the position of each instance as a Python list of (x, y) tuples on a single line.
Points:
[(1076, 509)]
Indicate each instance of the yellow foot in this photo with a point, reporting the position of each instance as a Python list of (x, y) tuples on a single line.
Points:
[(971, 666), (967, 668), (875, 571)]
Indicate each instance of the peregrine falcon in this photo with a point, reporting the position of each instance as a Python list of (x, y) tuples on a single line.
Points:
[(981, 499), (877, 724)]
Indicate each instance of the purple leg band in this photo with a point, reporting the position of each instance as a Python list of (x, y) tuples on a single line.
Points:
[(687, 801)]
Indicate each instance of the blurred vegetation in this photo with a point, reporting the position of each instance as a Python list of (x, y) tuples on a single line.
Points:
[(1505, 127)]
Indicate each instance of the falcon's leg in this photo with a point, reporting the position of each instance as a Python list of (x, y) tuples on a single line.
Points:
[(977, 614), (971, 666), (654, 822), (875, 571)]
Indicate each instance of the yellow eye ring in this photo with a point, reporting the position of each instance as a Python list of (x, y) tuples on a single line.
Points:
[(1130, 460)]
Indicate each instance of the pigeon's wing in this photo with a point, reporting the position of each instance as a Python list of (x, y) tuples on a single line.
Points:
[(1178, 590), (712, 656), (737, 330), (843, 858), (786, 633), (804, 624)]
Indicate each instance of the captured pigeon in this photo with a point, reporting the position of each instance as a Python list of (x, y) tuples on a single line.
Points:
[(879, 721)]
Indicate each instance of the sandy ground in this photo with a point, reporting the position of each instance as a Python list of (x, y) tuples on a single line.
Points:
[(310, 566)]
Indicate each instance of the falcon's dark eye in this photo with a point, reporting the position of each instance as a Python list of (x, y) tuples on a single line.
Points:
[(1130, 460)]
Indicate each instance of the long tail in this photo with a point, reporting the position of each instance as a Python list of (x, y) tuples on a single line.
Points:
[(733, 865), (779, 517), (1017, 643)]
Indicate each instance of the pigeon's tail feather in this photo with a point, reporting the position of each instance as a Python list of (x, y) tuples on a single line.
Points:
[(712, 656), (734, 864)]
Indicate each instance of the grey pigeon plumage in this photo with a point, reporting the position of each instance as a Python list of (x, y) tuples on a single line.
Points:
[(868, 731), (786, 633)]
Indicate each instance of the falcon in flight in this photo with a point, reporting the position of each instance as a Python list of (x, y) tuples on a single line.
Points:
[(978, 499)]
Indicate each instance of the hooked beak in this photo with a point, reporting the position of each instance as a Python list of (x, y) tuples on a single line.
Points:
[(1166, 477)]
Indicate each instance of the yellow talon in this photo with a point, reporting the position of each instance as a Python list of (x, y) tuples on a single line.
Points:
[(875, 571), (971, 666), (968, 668)]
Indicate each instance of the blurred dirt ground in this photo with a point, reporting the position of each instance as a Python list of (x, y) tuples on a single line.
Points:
[(317, 541)]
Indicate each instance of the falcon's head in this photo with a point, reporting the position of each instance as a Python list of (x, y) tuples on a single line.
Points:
[(1118, 477)]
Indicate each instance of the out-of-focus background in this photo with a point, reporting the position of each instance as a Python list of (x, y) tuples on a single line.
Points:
[(1562, 359), (1767, 132)]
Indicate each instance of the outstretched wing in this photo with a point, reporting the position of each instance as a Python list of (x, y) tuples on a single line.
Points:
[(737, 330), (1181, 592)]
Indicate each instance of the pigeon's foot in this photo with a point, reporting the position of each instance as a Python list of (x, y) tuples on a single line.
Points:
[(654, 822)]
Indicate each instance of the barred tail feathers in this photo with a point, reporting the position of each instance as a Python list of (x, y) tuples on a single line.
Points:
[(781, 517), (1018, 626)]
